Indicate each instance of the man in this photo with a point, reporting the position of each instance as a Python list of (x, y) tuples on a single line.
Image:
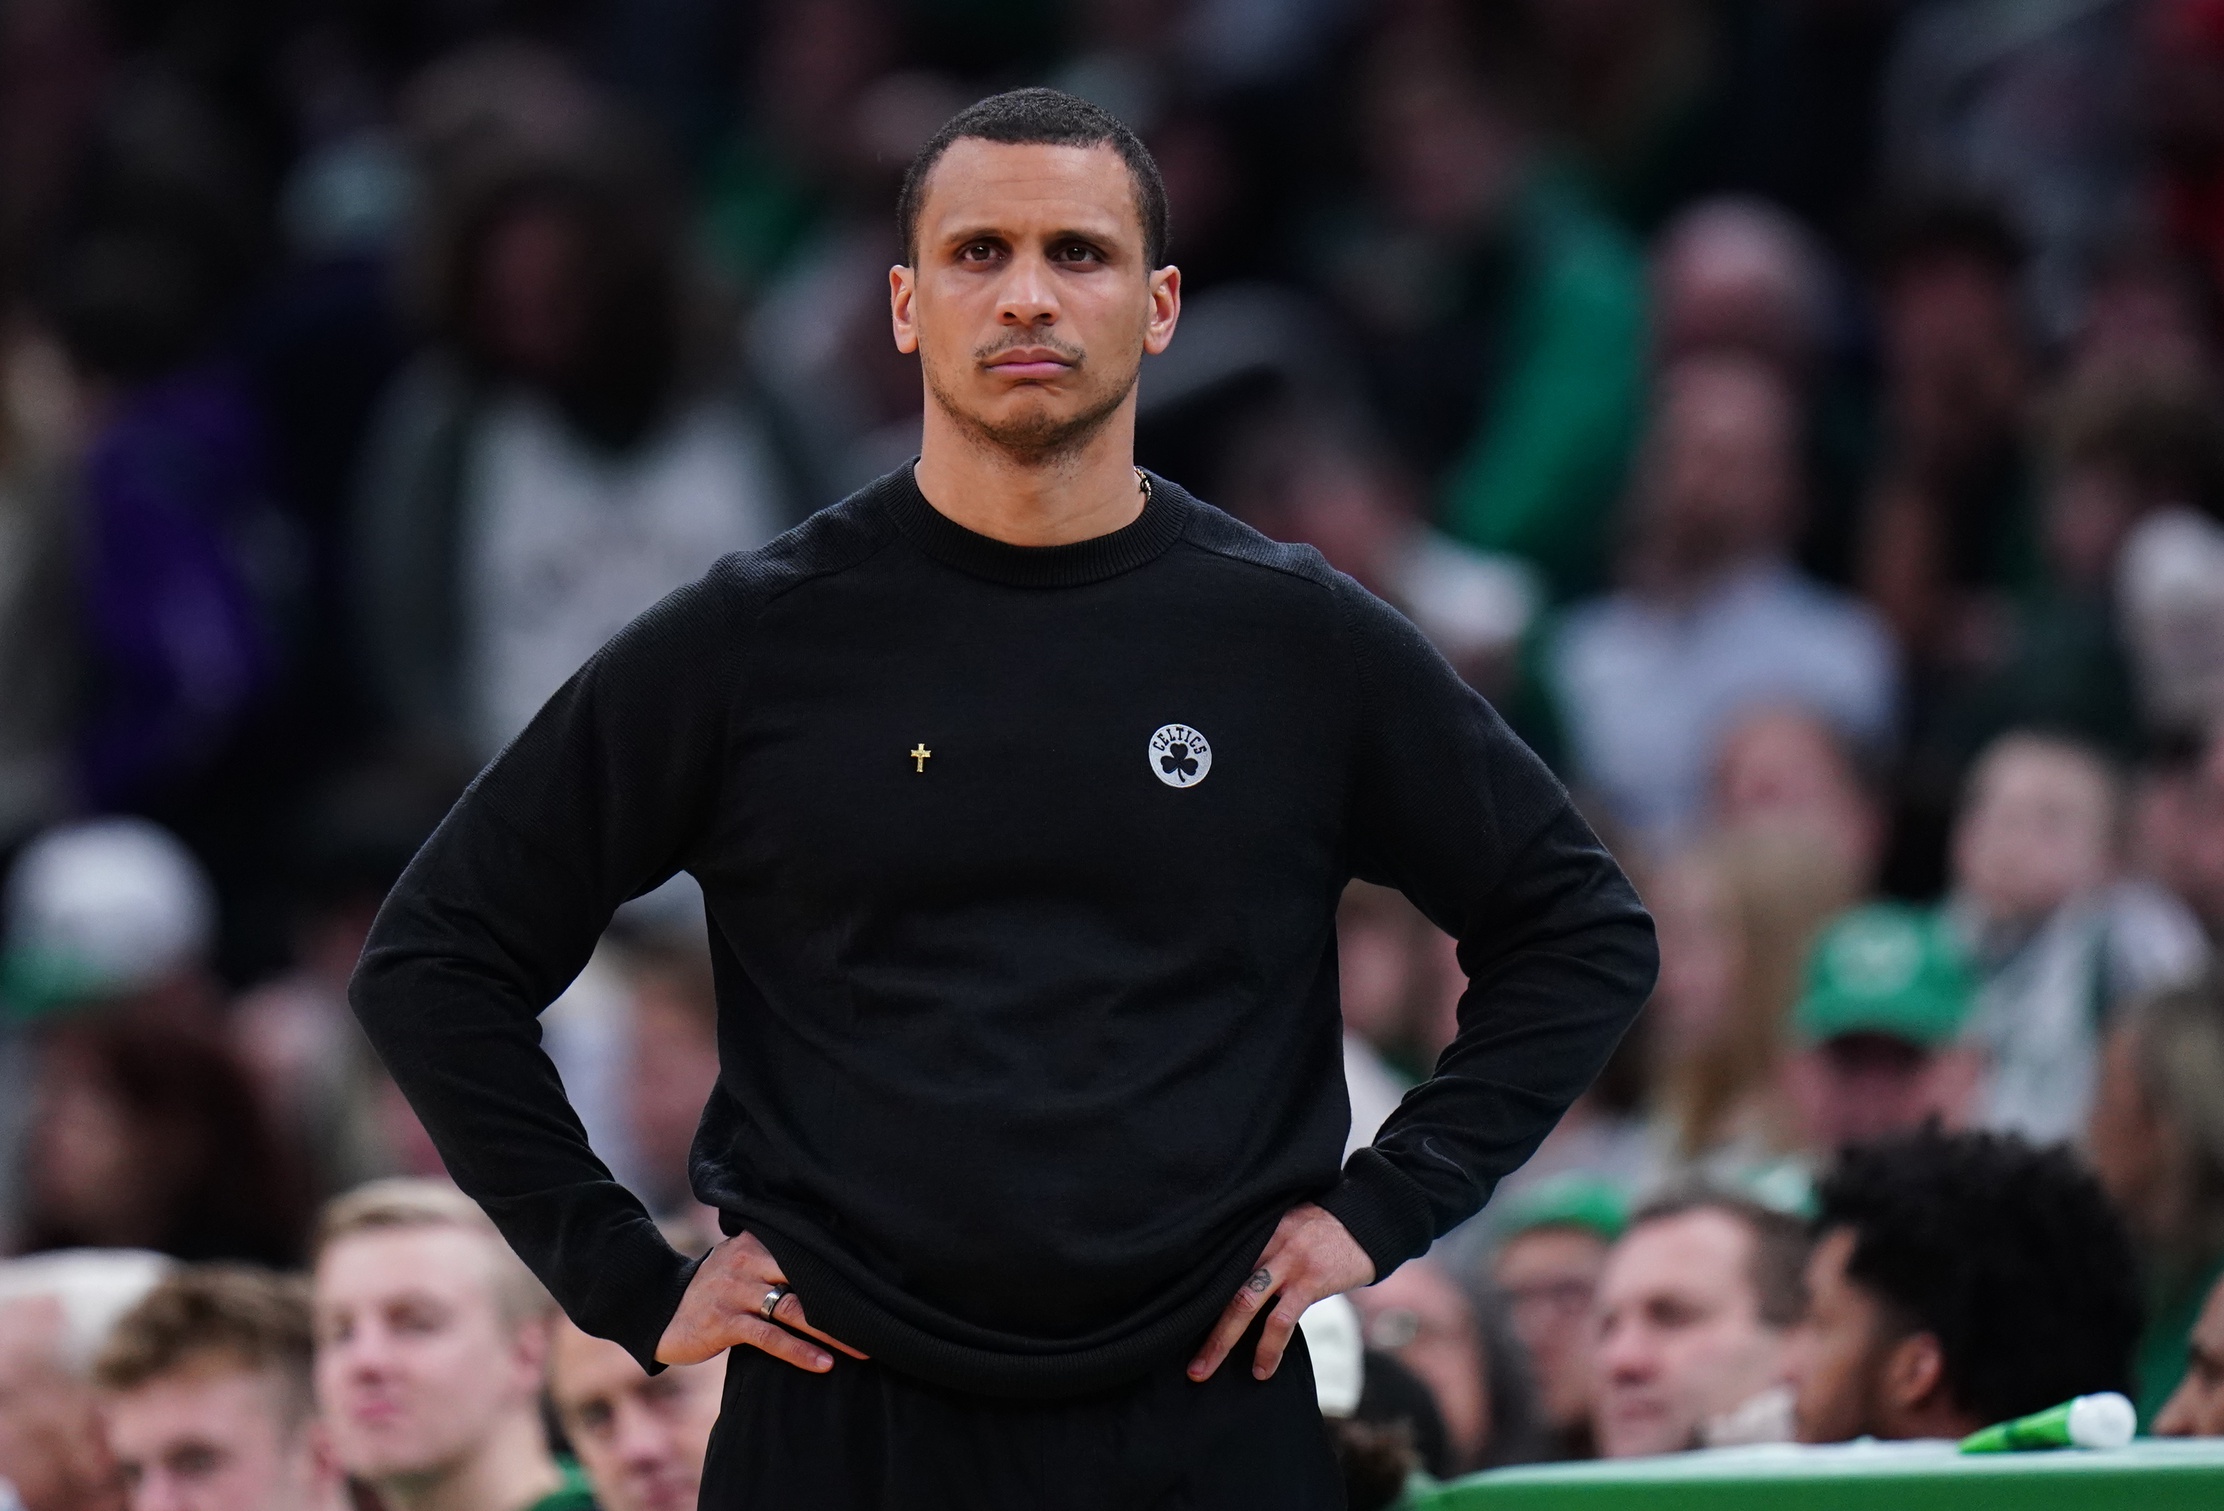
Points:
[(1547, 1266), (430, 1344), (1713, 617), (2059, 938), (640, 1437), (1957, 1280), (55, 1310), (1875, 1031), (1021, 787), (2196, 1408), (208, 1401), (1693, 1311)]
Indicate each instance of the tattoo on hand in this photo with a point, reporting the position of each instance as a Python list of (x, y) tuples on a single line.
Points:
[(1259, 1281)]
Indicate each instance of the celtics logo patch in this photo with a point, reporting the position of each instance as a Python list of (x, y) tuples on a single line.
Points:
[(1179, 755)]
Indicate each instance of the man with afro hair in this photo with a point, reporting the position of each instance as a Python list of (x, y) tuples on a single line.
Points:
[(1957, 1280)]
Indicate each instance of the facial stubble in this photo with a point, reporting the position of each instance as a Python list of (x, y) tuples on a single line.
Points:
[(1037, 439)]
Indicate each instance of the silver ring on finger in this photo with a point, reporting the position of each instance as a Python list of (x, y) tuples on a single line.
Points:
[(779, 1293)]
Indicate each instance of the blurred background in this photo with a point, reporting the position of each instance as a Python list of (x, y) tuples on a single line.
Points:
[(1803, 418)]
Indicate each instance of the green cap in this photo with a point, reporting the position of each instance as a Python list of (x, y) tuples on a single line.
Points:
[(1885, 969), (1568, 1201)]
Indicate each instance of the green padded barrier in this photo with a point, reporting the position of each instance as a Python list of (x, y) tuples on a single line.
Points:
[(2150, 1475)]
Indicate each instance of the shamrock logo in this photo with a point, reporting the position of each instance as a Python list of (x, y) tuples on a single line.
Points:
[(1179, 755)]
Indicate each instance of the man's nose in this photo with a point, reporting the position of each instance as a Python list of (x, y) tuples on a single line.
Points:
[(1622, 1354), (639, 1439), (159, 1490), (1028, 297)]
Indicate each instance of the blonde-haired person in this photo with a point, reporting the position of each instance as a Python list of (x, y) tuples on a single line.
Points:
[(207, 1400), (1736, 918), (432, 1339)]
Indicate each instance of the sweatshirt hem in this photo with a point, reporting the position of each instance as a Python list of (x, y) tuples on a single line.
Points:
[(1005, 1366)]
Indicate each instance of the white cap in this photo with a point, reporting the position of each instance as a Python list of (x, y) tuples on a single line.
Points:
[(1337, 1343), (93, 1288), (2105, 1420), (108, 906)]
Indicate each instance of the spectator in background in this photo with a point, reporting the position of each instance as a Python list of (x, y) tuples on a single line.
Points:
[(2136, 534), (1502, 313), (1714, 618), (641, 1440), (572, 448), (1959, 1280), (432, 1339), (112, 915), (1693, 1312), (1386, 974), (55, 1312), (132, 1123), (1420, 1317), (187, 555), (1878, 1031), (1949, 523), (207, 1397), (1304, 477), (1736, 920), (2196, 1408), (1547, 1266), (2058, 936), (1740, 274), (149, 1136), (1788, 771), (2157, 1143)]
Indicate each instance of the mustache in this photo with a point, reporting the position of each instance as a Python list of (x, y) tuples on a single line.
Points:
[(1044, 340)]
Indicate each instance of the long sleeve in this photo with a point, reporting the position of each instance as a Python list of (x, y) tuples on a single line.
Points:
[(599, 799), (1454, 811)]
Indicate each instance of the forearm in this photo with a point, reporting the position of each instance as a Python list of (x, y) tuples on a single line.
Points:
[(598, 799), (458, 1034), (1453, 810), (1548, 1000)]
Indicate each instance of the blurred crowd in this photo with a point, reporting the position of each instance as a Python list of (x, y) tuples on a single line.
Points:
[(1804, 419)]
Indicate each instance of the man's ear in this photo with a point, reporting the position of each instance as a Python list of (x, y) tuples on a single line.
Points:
[(1166, 308), (529, 1349), (903, 288), (1914, 1377)]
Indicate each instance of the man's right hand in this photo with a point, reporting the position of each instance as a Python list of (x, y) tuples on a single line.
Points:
[(722, 1308)]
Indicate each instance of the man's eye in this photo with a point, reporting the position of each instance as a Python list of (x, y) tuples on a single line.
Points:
[(1076, 251), (979, 251)]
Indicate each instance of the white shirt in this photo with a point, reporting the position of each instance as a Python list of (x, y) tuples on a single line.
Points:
[(563, 542), (1648, 690)]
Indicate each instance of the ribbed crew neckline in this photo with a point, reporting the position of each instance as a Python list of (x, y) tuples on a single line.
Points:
[(1165, 515)]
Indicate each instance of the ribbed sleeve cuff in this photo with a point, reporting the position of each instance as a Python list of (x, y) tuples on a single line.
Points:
[(634, 1300), (1383, 1210)]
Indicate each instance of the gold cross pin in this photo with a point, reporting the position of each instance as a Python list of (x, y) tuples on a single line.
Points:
[(920, 753)]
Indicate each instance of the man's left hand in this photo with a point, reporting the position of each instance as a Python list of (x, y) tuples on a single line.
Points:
[(1310, 1257)]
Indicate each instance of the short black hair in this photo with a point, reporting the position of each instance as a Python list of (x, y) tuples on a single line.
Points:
[(1778, 1272), (2008, 1254), (1049, 117)]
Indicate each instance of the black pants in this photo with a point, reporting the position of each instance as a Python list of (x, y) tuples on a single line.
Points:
[(859, 1438)]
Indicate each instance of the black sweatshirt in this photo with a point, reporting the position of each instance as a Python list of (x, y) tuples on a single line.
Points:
[(1021, 867)]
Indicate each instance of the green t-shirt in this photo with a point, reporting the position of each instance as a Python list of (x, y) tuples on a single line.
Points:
[(574, 1494), (1543, 473)]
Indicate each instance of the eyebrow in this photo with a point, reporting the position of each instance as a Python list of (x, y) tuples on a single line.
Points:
[(985, 233)]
